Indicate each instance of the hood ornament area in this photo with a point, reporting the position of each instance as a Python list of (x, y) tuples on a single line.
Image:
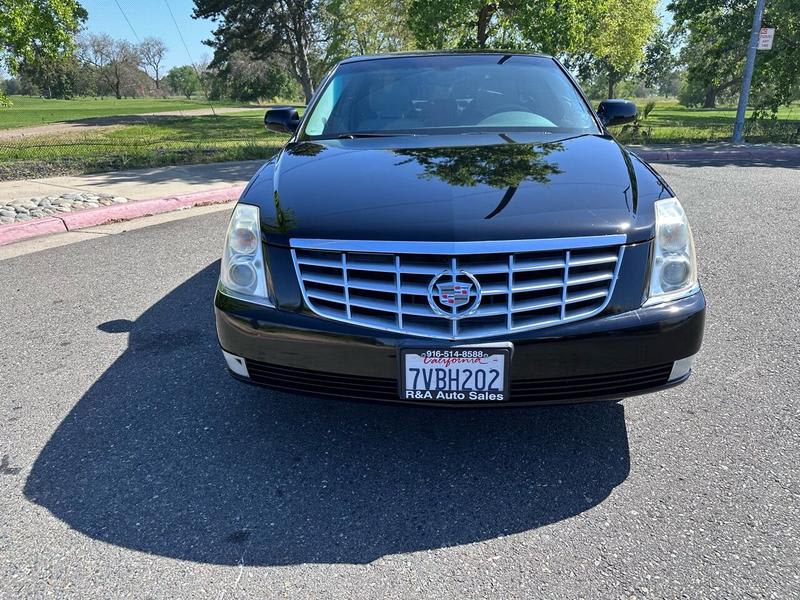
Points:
[(454, 294)]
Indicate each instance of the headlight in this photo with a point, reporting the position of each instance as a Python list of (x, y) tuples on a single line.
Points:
[(243, 272), (673, 273)]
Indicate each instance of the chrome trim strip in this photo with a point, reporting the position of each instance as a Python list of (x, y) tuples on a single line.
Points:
[(565, 286), (451, 248)]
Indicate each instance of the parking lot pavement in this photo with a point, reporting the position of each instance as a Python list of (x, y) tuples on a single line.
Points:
[(132, 466)]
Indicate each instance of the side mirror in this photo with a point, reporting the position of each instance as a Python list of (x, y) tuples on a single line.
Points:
[(284, 119), (616, 112)]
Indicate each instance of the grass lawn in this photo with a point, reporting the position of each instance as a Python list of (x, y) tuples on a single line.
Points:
[(671, 123), (36, 111), (185, 140), (241, 136)]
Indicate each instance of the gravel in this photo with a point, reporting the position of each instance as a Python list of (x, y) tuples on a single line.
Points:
[(18, 211)]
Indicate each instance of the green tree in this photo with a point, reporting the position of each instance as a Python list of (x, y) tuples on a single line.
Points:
[(597, 36), (615, 46), (290, 30), (11, 86), (713, 67), (718, 32), (367, 27), (55, 78), (183, 80), (659, 64), (37, 30), (551, 26), (245, 78)]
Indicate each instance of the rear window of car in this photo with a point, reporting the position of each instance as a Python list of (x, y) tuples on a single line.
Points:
[(448, 94)]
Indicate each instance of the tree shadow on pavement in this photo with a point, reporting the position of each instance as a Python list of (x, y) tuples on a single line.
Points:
[(168, 455)]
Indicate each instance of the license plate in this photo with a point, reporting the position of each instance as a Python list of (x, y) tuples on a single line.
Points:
[(474, 374)]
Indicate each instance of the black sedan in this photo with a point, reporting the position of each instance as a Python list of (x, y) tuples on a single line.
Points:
[(458, 229)]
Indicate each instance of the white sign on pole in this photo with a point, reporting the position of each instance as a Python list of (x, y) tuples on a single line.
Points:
[(765, 37)]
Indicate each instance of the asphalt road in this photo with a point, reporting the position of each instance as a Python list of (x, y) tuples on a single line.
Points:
[(132, 466)]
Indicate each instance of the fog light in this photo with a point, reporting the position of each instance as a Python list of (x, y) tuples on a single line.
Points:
[(236, 364), (681, 367), (675, 271), (242, 274)]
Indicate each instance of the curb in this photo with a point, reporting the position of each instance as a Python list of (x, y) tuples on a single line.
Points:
[(27, 229), (686, 155), (16, 232)]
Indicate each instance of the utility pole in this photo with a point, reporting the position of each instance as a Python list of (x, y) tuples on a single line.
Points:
[(744, 95)]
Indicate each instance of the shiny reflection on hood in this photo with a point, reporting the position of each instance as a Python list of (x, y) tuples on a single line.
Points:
[(284, 219), (502, 166), (304, 149)]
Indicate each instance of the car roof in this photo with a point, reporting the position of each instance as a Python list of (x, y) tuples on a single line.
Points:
[(426, 53)]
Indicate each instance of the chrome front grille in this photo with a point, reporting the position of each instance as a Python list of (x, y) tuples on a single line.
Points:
[(518, 285)]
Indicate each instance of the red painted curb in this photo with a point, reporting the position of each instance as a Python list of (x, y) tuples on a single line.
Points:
[(116, 212), (142, 208), (15, 232)]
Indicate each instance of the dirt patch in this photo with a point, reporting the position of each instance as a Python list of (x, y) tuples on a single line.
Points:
[(97, 122)]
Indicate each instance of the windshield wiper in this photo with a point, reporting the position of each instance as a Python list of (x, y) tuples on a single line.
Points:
[(352, 136)]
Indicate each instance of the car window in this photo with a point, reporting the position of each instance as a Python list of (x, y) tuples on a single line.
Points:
[(449, 93)]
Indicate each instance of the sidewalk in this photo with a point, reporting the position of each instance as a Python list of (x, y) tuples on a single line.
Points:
[(139, 184), (58, 204)]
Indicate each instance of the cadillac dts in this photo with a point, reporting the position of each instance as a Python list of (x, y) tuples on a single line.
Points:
[(458, 229)]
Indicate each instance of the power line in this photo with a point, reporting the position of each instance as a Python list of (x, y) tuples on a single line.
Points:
[(189, 54), (180, 35), (124, 16)]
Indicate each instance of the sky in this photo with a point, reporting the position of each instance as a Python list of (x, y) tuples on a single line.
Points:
[(152, 18)]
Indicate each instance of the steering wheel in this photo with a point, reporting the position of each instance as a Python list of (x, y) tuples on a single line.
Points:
[(506, 108)]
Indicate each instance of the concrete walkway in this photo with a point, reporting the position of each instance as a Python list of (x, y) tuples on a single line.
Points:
[(138, 184)]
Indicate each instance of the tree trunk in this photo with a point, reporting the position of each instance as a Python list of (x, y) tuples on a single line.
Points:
[(710, 100), (484, 16), (300, 59), (611, 85), (303, 75)]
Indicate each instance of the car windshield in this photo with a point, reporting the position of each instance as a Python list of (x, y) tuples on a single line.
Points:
[(448, 94)]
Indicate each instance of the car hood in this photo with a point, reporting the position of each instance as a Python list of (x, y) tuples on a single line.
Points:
[(456, 188)]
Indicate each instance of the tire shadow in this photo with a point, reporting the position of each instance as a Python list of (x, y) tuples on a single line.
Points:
[(168, 455)]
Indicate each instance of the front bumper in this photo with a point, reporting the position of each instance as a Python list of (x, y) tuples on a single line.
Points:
[(606, 357)]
